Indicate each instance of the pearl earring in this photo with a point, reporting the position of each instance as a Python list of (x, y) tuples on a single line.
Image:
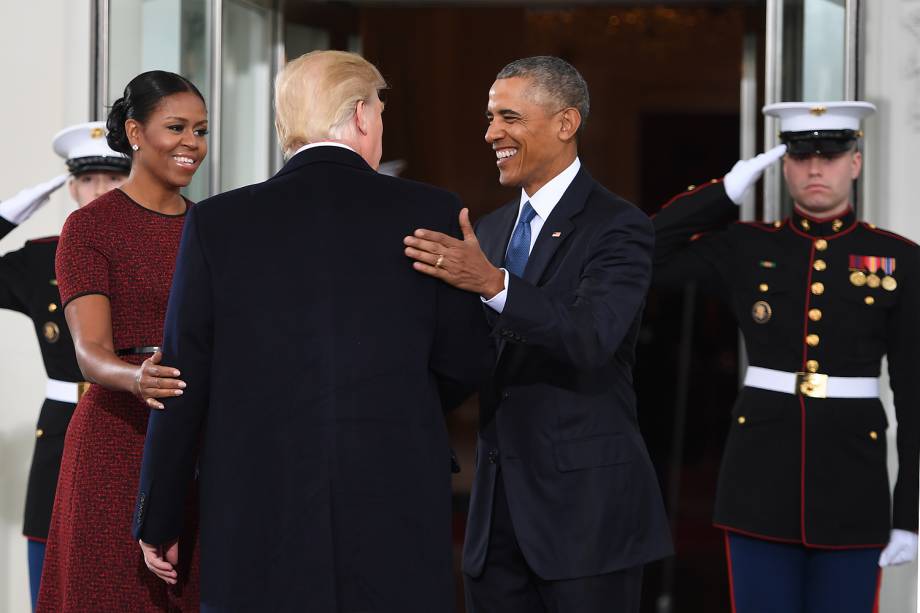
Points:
[(134, 147)]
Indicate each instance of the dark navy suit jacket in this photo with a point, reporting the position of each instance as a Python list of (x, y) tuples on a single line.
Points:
[(559, 415), (313, 354)]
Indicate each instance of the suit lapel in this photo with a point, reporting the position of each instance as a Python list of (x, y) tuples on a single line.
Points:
[(558, 227), (494, 243)]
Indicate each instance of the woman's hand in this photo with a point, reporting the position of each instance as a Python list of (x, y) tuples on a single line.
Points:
[(153, 380)]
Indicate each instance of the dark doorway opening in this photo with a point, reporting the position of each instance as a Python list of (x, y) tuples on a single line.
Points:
[(664, 83)]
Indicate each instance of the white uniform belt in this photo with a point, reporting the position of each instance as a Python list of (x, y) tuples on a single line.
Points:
[(64, 391), (815, 385)]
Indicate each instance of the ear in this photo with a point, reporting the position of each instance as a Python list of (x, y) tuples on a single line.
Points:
[(361, 119), (72, 188), (569, 122), (133, 131), (856, 165)]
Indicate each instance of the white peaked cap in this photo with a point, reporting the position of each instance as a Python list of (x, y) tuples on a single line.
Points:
[(814, 116)]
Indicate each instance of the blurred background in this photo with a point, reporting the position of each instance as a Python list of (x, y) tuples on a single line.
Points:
[(676, 91)]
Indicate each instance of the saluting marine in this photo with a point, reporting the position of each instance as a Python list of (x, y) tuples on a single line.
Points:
[(28, 285), (820, 298)]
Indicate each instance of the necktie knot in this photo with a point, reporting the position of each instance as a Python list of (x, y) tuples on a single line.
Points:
[(527, 213)]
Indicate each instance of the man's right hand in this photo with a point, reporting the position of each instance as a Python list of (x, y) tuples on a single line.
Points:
[(21, 206), (162, 560), (745, 173)]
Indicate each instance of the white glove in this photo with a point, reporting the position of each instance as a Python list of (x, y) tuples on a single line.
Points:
[(21, 206), (745, 173), (902, 548)]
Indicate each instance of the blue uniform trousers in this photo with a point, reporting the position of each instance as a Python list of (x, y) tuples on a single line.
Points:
[(36, 552), (771, 577)]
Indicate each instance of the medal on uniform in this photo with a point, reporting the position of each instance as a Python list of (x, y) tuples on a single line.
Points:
[(858, 278), (889, 283), (873, 280), (761, 312), (51, 331)]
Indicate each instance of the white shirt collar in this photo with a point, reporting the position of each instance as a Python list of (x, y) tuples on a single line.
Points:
[(548, 196), (324, 143)]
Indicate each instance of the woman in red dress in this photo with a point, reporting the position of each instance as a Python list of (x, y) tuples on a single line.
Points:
[(115, 263)]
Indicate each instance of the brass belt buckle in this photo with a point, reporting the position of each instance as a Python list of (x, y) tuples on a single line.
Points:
[(82, 388), (811, 384)]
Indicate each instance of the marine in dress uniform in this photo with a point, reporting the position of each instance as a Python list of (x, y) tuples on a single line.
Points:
[(803, 491), (28, 285)]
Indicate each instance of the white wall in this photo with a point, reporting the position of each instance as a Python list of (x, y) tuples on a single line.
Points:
[(891, 181), (44, 66)]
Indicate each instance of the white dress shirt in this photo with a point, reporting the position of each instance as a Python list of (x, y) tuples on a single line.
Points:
[(323, 143), (543, 203)]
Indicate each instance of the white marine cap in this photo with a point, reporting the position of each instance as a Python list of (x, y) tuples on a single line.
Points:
[(810, 116), (819, 127), (85, 149)]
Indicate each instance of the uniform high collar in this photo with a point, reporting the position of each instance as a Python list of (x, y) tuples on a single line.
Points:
[(822, 227)]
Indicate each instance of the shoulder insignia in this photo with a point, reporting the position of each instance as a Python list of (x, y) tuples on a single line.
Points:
[(44, 239), (691, 189), (872, 228), (766, 226)]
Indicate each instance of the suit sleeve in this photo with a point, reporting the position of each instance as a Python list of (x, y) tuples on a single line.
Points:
[(691, 243), (170, 450), (463, 352), (586, 328), (903, 332), (13, 274)]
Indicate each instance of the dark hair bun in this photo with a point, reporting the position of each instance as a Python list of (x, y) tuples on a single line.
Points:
[(115, 126)]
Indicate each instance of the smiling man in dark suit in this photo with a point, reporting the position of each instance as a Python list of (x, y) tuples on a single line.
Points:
[(313, 374), (566, 508)]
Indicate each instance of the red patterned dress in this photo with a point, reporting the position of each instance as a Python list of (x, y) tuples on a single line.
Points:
[(117, 248)]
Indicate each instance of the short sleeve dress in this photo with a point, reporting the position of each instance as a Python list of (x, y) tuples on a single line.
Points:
[(117, 248)]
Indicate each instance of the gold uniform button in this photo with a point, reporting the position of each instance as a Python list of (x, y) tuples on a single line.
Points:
[(873, 435), (777, 224), (812, 340), (820, 244), (39, 433), (690, 188), (817, 288), (51, 332), (870, 300), (820, 265), (52, 308), (763, 287), (815, 314), (741, 420), (811, 365)]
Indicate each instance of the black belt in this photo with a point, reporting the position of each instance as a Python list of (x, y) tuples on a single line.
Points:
[(137, 350)]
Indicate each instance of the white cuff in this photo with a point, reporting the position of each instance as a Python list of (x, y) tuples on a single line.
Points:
[(497, 302)]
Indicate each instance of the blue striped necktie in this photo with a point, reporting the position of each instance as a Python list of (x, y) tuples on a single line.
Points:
[(519, 247)]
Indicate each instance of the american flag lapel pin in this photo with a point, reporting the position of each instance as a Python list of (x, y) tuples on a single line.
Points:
[(557, 234)]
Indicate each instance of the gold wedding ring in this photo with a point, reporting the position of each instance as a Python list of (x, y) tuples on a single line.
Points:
[(440, 259)]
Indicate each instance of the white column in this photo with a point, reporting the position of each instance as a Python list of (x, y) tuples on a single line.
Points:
[(891, 72)]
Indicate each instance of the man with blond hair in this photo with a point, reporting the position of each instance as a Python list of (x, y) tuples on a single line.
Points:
[(313, 361)]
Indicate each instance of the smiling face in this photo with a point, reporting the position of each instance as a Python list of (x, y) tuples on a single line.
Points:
[(532, 142), (821, 184), (171, 143), (87, 186)]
